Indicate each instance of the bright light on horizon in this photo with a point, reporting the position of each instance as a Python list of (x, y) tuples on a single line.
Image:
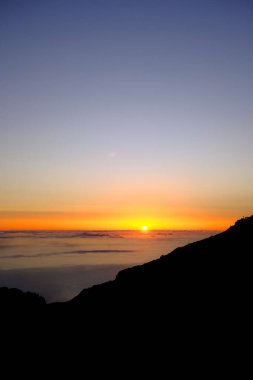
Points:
[(108, 131), (89, 221)]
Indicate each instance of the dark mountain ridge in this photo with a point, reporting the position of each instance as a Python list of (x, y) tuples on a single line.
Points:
[(188, 312), (209, 276)]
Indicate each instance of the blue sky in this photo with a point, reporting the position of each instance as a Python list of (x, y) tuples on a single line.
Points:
[(112, 103)]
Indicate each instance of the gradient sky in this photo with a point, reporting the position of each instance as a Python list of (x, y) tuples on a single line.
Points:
[(117, 114)]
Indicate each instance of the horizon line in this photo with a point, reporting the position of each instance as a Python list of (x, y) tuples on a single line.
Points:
[(111, 229)]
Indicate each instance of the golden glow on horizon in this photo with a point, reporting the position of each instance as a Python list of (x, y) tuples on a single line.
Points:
[(94, 221)]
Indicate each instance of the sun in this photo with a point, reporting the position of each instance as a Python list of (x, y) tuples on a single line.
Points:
[(144, 228)]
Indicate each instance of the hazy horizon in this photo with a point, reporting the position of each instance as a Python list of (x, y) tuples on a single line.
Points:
[(59, 264), (108, 230)]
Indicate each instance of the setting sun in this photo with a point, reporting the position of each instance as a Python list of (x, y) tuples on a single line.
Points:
[(144, 228)]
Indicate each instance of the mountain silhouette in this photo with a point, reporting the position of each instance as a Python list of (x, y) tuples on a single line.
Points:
[(209, 278), (186, 312), (21, 301)]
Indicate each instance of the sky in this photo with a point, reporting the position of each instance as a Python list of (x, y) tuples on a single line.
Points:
[(118, 113)]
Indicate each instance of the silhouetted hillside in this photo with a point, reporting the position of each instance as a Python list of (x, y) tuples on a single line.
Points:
[(211, 277), (20, 301)]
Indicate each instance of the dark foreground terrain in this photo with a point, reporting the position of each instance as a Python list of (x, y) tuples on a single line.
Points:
[(211, 277), (188, 312)]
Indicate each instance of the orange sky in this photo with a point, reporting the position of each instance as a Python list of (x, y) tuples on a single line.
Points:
[(68, 221), (120, 202), (140, 115)]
